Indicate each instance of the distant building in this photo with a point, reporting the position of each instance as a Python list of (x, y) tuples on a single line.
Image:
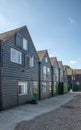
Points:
[(55, 76), (69, 77), (65, 81), (77, 78), (61, 79)]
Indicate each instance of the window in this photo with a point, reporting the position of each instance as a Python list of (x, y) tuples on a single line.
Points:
[(44, 69), (23, 88), (46, 60), (55, 74), (25, 44), (29, 61), (19, 40), (48, 70), (15, 56)]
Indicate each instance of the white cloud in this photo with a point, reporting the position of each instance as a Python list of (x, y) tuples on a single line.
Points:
[(79, 58), (73, 62), (71, 20)]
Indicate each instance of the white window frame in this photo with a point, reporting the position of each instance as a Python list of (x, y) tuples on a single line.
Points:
[(15, 56), (44, 70), (25, 44), (31, 61), (48, 70), (24, 87), (46, 59)]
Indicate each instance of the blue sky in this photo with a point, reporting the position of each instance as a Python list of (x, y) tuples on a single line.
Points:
[(54, 25)]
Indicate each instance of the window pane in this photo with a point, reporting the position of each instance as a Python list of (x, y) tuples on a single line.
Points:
[(15, 56), (48, 70), (46, 60), (44, 69), (19, 40), (32, 61), (23, 88), (29, 61), (25, 43)]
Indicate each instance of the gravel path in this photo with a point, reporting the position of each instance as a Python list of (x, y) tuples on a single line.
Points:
[(67, 117)]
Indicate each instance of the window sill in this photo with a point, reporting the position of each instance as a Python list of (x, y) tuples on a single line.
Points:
[(22, 94)]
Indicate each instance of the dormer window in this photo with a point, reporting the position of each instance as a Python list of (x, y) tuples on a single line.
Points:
[(25, 44), (46, 60), (21, 42)]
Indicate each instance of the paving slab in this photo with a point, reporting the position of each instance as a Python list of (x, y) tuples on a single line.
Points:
[(9, 118)]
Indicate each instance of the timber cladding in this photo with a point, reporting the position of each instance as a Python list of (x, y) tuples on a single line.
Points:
[(12, 73)]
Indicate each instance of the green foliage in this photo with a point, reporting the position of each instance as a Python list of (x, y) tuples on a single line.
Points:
[(75, 87), (65, 87), (55, 88)]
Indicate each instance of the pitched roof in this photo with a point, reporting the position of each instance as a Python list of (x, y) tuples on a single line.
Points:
[(59, 63), (77, 71), (41, 54), (52, 60), (64, 67), (9, 33), (69, 71)]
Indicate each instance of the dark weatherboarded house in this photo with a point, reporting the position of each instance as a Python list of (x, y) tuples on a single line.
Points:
[(65, 83), (45, 88), (60, 69), (18, 68), (69, 77), (77, 79), (54, 71), (74, 79)]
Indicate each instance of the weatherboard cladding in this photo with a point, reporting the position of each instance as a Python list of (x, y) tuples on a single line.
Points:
[(0, 82), (13, 72), (43, 63), (77, 75), (65, 73), (42, 55), (11, 69), (60, 66), (54, 64)]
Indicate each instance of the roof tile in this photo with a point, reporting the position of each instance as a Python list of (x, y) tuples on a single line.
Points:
[(9, 33)]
